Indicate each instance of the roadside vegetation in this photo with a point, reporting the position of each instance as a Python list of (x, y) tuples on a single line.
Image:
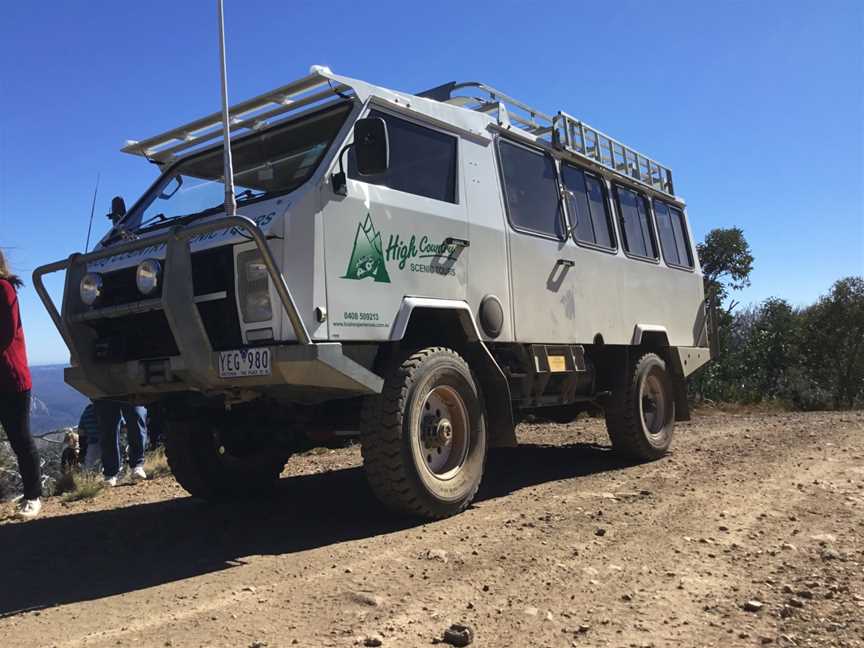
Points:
[(800, 357)]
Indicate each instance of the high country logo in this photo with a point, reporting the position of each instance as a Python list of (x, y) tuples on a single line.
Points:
[(369, 257)]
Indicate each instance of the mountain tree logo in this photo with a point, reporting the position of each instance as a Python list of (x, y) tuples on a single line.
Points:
[(367, 256)]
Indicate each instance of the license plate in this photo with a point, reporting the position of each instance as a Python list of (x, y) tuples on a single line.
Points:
[(244, 362)]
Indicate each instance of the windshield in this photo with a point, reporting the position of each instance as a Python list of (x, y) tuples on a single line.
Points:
[(274, 162)]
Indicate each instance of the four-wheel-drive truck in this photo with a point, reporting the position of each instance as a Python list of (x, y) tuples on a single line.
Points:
[(424, 269)]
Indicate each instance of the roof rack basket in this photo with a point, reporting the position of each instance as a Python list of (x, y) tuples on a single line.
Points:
[(562, 131), (311, 92)]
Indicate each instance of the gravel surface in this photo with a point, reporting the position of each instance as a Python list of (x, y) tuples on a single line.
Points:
[(751, 532)]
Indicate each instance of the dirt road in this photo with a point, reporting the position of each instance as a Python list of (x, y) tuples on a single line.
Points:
[(566, 546)]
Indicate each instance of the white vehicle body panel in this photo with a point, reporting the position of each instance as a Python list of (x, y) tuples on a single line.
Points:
[(358, 264)]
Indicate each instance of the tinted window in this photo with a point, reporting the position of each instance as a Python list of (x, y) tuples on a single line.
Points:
[(422, 161), (682, 240), (667, 234), (531, 190), (635, 223), (588, 206)]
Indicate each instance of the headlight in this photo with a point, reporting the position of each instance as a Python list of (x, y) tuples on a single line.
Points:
[(148, 275), (90, 288), (254, 287), (258, 307), (256, 270)]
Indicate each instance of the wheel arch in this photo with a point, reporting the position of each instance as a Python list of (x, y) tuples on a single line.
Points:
[(423, 322), (654, 337)]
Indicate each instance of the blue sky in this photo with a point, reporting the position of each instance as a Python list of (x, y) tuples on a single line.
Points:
[(757, 107)]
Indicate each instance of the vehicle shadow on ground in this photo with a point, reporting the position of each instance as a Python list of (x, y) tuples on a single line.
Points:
[(86, 556)]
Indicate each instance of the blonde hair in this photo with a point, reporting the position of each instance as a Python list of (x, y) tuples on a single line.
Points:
[(71, 439), (6, 273)]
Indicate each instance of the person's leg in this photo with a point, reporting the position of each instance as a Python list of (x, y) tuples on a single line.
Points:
[(15, 418), (108, 415), (136, 433)]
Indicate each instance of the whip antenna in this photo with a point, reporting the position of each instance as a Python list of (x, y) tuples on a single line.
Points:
[(92, 209), (230, 200)]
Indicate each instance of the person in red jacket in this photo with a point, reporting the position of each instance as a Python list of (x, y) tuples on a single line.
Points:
[(15, 385)]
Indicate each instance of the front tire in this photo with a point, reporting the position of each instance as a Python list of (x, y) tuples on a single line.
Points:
[(640, 417), (424, 436), (209, 462)]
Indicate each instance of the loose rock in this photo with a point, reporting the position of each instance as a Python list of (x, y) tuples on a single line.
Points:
[(458, 635), (753, 605)]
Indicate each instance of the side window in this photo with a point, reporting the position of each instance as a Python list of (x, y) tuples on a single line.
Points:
[(673, 235), (667, 235), (682, 239), (587, 200), (635, 223), (531, 190), (422, 161)]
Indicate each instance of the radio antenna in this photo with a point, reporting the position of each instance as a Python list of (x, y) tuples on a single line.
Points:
[(92, 209), (230, 200)]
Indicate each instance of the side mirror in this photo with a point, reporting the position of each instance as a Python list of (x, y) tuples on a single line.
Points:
[(371, 146), (118, 209)]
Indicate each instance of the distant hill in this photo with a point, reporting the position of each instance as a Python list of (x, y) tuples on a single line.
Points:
[(55, 404)]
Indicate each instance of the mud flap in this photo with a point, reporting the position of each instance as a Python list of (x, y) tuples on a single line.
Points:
[(679, 383), (496, 395)]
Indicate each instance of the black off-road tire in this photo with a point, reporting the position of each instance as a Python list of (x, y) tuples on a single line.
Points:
[(192, 448), (625, 419), (390, 425)]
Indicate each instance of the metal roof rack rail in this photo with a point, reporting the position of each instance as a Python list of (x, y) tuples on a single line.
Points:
[(561, 130), (314, 90)]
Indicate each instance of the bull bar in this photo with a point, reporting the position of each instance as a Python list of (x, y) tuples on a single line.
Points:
[(304, 364)]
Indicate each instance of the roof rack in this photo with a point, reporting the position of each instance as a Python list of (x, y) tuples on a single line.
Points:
[(314, 90), (562, 131)]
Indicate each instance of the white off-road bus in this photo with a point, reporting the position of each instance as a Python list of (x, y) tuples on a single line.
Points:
[(425, 269)]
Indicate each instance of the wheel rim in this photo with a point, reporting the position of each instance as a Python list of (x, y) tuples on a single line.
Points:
[(443, 436), (653, 405)]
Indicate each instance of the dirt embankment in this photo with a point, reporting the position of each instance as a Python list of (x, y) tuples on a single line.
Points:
[(750, 533)]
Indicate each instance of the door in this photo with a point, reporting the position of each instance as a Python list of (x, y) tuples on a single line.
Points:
[(396, 234), (541, 257)]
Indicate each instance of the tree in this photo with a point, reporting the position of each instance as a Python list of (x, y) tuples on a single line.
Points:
[(726, 262), (832, 346)]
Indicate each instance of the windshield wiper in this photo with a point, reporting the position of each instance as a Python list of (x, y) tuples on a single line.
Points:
[(249, 194)]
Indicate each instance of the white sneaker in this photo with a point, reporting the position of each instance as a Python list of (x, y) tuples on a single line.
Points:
[(138, 474), (30, 509), (111, 481)]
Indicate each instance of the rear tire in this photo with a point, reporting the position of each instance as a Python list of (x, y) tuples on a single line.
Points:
[(640, 416), (206, 465), (424, 436)]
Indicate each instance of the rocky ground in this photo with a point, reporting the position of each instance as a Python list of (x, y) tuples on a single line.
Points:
[(751, 532)]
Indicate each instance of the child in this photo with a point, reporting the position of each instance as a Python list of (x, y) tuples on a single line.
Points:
[(70, 458)]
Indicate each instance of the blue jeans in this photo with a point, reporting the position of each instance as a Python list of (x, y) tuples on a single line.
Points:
[(108, 412)]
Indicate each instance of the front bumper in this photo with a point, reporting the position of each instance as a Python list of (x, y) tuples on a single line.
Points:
[(303, 371)]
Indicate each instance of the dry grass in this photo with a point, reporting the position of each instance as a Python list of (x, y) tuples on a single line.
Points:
[(79, 486), (156, 465)]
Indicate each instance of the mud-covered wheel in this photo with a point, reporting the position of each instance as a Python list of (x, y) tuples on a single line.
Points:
[(215, 460), (424, 437), (640, 416)]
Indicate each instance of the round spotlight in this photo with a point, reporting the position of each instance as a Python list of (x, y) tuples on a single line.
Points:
[(90, 288), (148, 275)]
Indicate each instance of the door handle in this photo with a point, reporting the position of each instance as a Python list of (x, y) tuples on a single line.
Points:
[(565, 262), (457, 241)]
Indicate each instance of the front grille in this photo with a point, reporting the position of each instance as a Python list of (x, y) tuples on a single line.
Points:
[(213, 272), (133, 337), (148, 335), (119, 287)]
